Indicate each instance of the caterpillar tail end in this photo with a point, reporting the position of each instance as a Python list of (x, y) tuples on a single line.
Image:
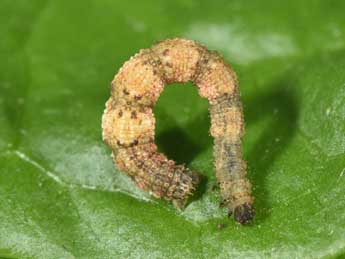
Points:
[(187, 188)]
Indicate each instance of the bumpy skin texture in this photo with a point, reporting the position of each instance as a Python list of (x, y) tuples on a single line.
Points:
[(128, 123)]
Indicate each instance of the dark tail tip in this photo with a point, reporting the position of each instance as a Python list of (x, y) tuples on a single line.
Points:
[(244, 213)]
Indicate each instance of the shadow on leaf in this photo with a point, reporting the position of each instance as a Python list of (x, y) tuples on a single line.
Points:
[(281, 106)]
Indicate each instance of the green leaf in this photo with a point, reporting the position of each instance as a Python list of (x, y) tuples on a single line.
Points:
[(60, 194)]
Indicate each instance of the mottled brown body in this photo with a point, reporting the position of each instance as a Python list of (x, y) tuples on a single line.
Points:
[(128, 123), (227, 129)]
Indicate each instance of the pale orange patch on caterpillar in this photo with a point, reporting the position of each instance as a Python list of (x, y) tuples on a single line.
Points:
[(140, 80), (216, 78), (128, 123), (179, 58), (125, 125)]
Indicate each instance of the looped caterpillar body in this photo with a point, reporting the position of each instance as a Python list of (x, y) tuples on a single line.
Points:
[(128, 123)]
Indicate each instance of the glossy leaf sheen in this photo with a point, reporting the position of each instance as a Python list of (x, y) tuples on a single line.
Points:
[(60, 194)]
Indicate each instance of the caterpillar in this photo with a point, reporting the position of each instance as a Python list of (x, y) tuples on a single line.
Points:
[(128, 123)]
